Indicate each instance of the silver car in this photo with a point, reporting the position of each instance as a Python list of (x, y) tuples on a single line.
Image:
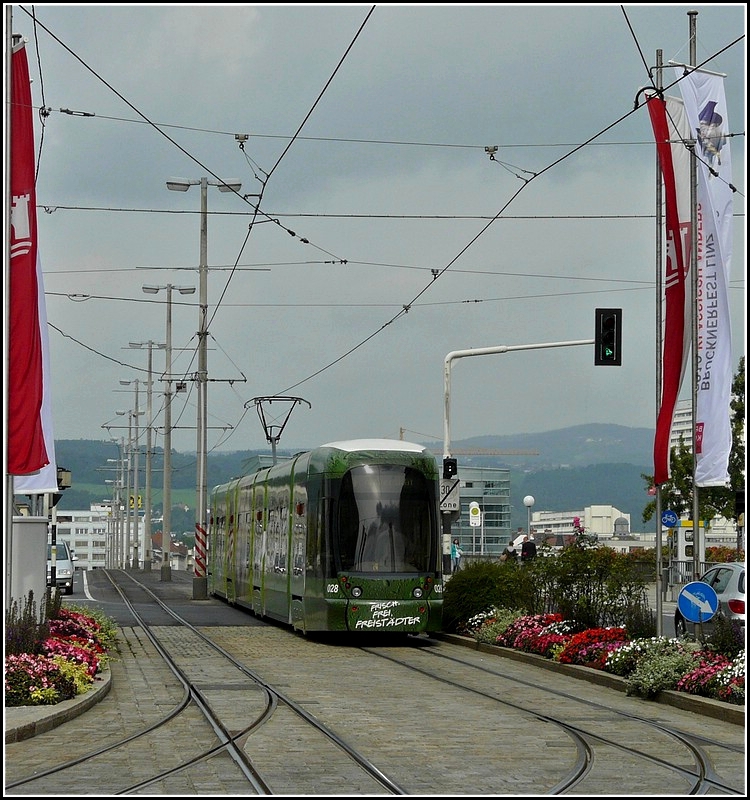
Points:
[(728, 581), (64, 567)]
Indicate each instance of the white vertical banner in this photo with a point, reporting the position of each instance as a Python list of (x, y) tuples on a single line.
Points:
[(705, 106)]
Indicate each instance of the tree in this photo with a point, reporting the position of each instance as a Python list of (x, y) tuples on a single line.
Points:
[(713, 501)]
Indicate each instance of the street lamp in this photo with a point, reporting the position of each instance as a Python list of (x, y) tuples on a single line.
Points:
[(129, 451), (182, 185), (166, 527), (114, 557), (115, 520), (149, 454), (136, 514), (528, 501)]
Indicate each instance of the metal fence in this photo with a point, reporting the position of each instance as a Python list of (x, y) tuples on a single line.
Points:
[(682, 572)]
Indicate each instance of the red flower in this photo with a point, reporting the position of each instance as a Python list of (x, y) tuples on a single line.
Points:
[(591, 646)]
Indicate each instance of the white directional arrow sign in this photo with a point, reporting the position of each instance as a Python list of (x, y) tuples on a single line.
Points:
[(704, 606), (697, 602)]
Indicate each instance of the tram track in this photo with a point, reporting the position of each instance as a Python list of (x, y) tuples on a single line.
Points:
[(213, 709), (374, 714), (699, 778)]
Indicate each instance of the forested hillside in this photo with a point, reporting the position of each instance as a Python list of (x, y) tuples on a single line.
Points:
[(575, 467)]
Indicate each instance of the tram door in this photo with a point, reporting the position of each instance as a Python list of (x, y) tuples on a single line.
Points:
[(258, 548), (229, 560)]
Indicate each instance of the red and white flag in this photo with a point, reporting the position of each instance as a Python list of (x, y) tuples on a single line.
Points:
[(706, 110), (669, 123), (30, 443)]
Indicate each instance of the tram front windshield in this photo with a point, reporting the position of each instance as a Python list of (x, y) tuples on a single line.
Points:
[(385, 520)]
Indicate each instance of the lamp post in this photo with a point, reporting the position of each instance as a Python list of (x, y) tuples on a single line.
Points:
[(166, 527), (115, 519), (136, 450), (112, 528), (114, 556), (115, 546), (182, 185), (528, 501), (111, 556), (149, 451), (123, 555)]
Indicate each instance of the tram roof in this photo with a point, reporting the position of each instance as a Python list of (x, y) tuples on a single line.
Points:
[(351, 445)]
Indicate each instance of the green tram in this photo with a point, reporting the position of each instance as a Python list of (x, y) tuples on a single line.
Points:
[(345, 537)]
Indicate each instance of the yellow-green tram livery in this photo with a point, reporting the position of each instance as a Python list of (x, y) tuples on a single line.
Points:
[(345, 537)]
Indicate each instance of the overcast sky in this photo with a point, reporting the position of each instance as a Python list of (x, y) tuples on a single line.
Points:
[(386, 236)]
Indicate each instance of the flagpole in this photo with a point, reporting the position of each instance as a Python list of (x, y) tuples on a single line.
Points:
[(694, 283), (659, 371)]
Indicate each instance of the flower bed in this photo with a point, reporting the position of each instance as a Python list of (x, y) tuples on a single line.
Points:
[(72, 649), (649, 665)]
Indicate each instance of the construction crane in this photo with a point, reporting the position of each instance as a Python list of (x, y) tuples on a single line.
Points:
[(471, 451)]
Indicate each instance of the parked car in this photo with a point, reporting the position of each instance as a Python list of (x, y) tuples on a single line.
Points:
[(64, 567), (728, 581)]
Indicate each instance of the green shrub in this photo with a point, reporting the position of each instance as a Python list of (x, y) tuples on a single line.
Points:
[(727, 637), (503, 618), (625, 659), (53, 602), (638, 618), (472, 590), (25, 630), (660, 670), (593, 587)]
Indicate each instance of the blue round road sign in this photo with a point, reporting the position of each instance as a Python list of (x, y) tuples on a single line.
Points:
[(697, 602), (669, 519)]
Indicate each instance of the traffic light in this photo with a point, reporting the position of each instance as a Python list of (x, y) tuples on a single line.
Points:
[(608, 337), (450, 467)]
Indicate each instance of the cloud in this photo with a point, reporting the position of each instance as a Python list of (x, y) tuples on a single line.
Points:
[(388, 181)]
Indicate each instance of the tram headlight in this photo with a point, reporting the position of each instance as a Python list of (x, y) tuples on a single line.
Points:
[(356, 592), (417, 592)]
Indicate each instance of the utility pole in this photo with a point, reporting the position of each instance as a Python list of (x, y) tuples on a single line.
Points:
[(166, 534), (200, 581), (147, 533)]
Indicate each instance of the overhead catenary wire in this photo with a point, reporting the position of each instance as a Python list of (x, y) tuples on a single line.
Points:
[(405, 306)]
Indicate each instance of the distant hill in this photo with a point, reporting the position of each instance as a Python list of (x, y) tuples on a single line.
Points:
[(575, 467), (577, 446)]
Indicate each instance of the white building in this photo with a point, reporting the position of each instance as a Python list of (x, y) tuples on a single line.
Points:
[(682, 425), (91, 534), (600, 520), (92, 537), (612, 528)]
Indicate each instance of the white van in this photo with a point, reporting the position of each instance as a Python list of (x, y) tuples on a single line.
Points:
[(64, 567)]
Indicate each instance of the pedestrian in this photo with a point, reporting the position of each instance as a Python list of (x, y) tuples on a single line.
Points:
[(510, 553), (528, 549), (456, 553)]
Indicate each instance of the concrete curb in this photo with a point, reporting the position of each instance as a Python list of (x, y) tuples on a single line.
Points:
[(707, 706), (23, 722)]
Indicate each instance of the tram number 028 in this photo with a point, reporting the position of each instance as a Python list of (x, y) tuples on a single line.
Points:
[(332, 588)]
